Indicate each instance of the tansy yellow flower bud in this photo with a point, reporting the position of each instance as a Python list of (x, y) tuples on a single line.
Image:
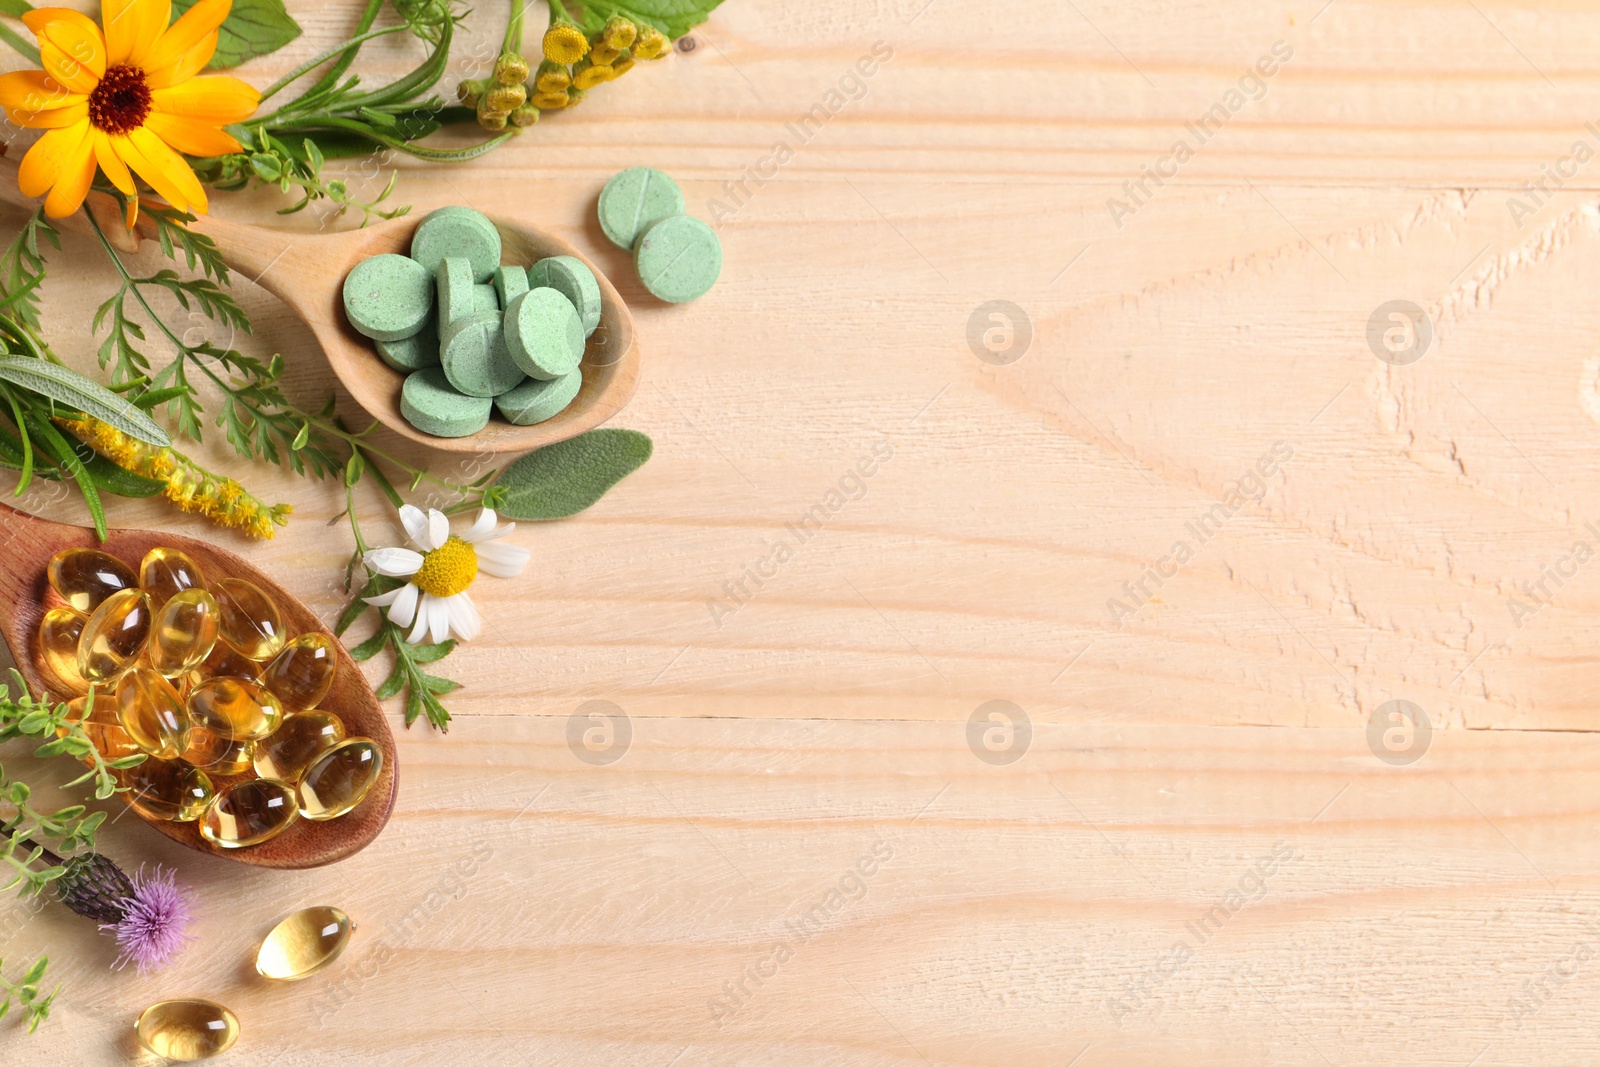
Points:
[(489, 118), (574, 96), (550, 101), (525, 116), (505, 98), (564, 42), (511, 69), (652, 43), (603, 54), (470, 91), (624, 63), (587, 75), (620, 32), (553, 77)]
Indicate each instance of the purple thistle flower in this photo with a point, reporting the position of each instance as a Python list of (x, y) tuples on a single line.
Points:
[(155, 923)]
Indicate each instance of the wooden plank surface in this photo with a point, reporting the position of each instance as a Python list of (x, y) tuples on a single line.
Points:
[(1202, 372)]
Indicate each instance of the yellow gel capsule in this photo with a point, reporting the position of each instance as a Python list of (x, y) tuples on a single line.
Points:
[(303, 944), (339, 779), (101, 728), (166, 572), (226, 662), (115, 635), (250, 620), (300, 738), (184, 632), (162, 789), (187, 1030), (59, 631), (219, 755), (234, 708), (85, 577), (248, 813), (302, 673), (152, 712)]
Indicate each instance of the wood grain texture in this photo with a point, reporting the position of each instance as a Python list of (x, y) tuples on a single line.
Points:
[(784, 723)]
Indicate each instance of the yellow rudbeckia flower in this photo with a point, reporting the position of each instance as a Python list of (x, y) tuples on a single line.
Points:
[(125, 101)]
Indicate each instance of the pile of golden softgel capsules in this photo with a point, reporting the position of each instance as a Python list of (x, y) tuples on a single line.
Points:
[(204, 681)]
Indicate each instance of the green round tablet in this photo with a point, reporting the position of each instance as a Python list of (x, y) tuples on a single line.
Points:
[(388, 297), (635, 200), (457, 231), (457, 298), (572, 278), (429, 404), (419, 350), (535, 401), (544, 334), (473, 353), (510, 283), (484, 298), (678, 259)]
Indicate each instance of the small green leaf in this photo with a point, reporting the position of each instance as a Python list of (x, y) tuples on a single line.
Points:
[(566, 478), (432, 653), (85, 394), (15, 8), (267, 167), (392, 684), (301, 438), (672, 17), (354, 469), (370, 647), (253, 28)]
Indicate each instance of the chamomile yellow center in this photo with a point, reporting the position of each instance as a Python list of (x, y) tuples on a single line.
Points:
[(447, 570)]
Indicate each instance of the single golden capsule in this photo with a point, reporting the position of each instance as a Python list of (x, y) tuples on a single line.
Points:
[(152, 712), (219, 755), (166, 572), (162, 789), (85, 577), (234, 708), (101, 727), (226, 661), (59, 631), (303, 944), (187, 1030), (184, 632), (339, 779), (114, 636), (298, 740), (250, 620), (249, 812), (302, 673)]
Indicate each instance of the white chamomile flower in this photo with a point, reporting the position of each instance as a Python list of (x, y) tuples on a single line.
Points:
[(434, 601)]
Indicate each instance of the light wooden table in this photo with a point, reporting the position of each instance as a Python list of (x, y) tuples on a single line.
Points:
[(1191, 854)]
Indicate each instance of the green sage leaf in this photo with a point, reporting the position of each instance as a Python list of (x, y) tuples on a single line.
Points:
[(84, 394), (568, 477), (253, 28)]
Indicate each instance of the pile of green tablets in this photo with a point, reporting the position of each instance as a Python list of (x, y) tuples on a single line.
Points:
[(678, 257), (471, 335)]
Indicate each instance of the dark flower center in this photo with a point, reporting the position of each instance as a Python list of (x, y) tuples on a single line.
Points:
[(121, 101)]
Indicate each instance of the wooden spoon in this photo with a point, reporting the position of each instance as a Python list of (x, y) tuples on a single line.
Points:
[(306, 272), (26, 545)]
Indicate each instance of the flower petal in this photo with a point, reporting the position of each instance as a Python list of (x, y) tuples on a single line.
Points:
[(383, 600), (191, 136), (112, 164), (188, 65), (464, 619), (482, 529), (170, 170), (415, 520), (439, 620), (424, 605), (53, 119), (438, 528), (185, 36), (395, 562), (153, 175), (502, 561), (72, 184), (34, 90), (70, 46), (404, 608), (42, 165), (218, 98), (132, 26)]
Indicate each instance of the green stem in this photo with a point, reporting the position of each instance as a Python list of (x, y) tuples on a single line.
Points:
[(559, 10), (513, 41), (348, 50), (23, 48)]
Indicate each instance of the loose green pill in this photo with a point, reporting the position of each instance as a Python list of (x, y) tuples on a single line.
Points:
[(484, 298), (544, 334), (535, 401), (678, 259), (475, 358), (429, 404), (457, 293), (635, 200), (412, 353), (459, 232), (510, 283), (570, 277), (388, 297)]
